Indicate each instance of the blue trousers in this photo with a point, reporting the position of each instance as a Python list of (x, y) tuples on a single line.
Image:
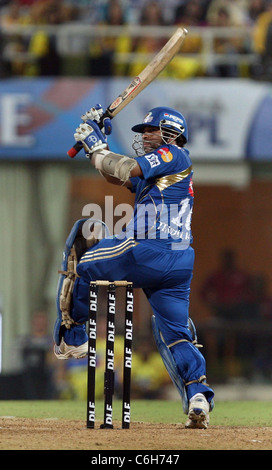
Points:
[(164, 276)]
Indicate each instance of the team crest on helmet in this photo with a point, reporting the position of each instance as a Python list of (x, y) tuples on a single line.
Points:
[(148, 117)]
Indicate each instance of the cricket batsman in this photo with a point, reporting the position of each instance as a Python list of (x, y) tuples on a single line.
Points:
[(153, 251)]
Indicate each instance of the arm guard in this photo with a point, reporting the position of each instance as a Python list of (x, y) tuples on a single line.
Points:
[(113, 164)]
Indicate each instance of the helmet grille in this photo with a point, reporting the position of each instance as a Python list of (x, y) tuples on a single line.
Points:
[(170, 131)]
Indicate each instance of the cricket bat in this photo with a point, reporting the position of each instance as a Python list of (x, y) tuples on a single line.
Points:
[(150, 72)]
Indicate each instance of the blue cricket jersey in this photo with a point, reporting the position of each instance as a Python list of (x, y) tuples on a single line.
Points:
[(163, 199)]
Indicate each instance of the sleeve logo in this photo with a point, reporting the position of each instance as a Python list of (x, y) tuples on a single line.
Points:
[(165, 154), (153, 160)]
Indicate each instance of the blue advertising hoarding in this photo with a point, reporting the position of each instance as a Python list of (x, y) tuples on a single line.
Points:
[(227, 119)]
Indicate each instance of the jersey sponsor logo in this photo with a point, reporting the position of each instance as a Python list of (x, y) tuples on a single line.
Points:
[(165, 154), (153, 160)]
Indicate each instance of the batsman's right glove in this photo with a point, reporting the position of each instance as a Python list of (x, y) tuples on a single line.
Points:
[(95, 114), (91, 137)]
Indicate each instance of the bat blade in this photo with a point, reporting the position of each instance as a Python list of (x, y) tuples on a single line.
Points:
[(148, 74)]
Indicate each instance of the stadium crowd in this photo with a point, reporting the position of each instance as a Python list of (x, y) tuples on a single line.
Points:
[(38, 53), (193, 12)]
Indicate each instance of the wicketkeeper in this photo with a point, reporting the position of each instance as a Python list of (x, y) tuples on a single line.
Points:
[(154, 251)]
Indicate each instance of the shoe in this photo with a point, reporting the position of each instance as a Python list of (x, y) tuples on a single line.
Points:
[(66, 351), (198, 415)]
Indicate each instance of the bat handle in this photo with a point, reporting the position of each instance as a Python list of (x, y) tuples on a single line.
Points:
[(78, 146), (74, 150)]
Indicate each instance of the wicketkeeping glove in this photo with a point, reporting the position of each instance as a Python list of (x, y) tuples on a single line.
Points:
[(91, 137), (95, 114)]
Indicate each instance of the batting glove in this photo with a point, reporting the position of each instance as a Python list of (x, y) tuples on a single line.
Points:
[(90, 137), (95, 114)]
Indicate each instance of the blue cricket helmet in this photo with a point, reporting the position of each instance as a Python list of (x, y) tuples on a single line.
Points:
[(164, 118)]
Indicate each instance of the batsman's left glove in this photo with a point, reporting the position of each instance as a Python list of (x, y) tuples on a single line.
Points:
[(91, 137), (96, 114)]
